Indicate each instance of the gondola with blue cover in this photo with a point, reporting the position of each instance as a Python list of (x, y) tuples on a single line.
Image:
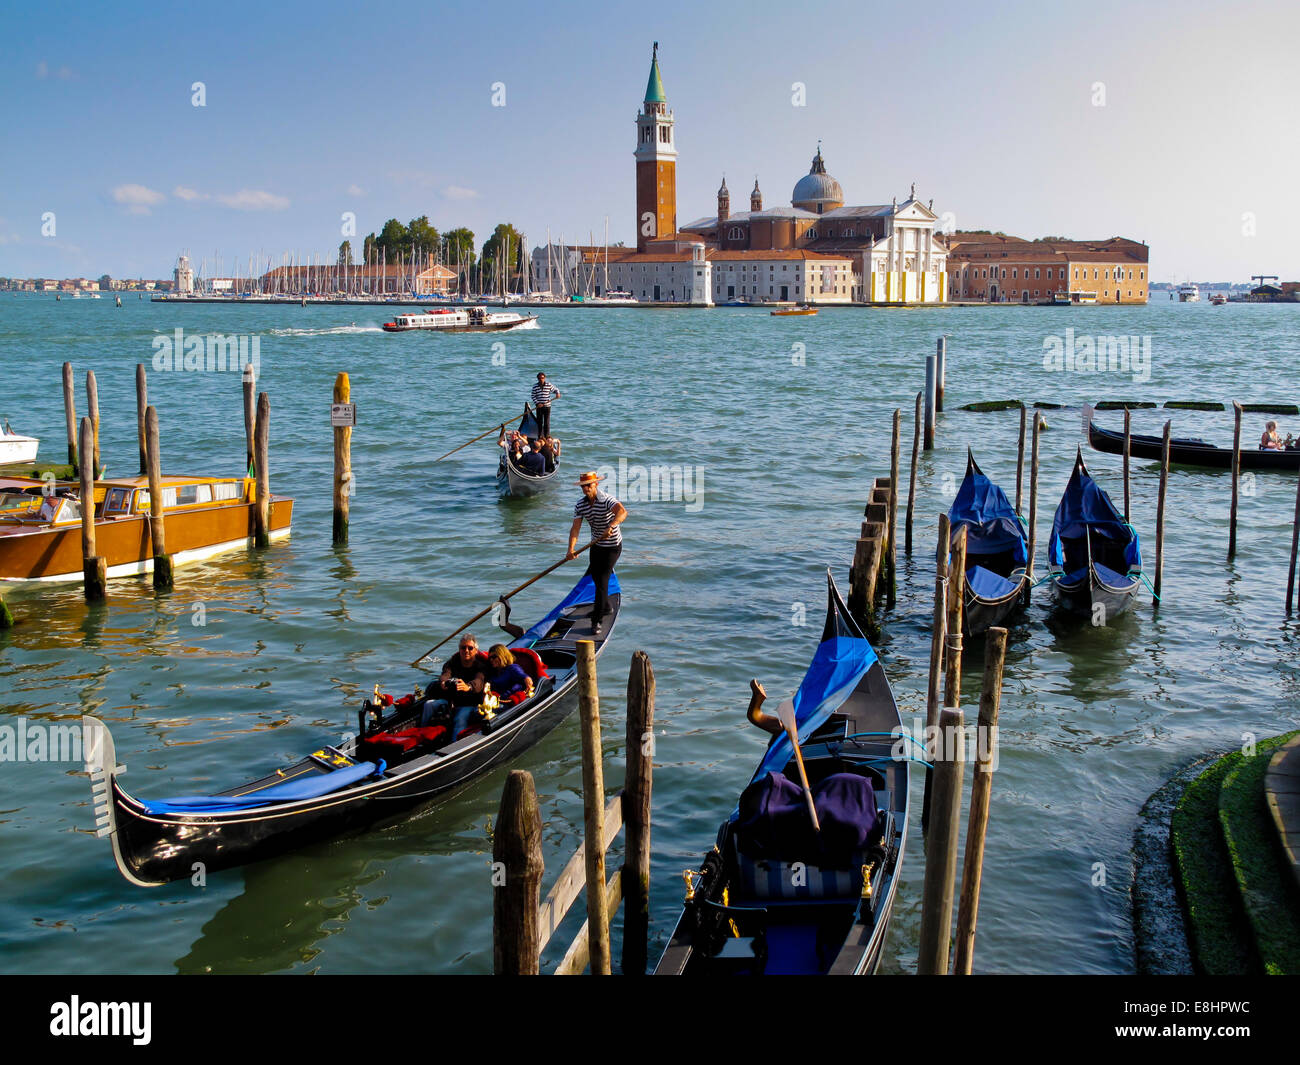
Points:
[(803, 876), (997, 551), (1094, 556), (391, 769)]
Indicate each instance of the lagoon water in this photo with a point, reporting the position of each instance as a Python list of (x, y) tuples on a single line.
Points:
[(253, 659)]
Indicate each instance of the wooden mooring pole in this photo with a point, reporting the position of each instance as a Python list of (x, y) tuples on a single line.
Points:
[(1128, 418), (940, 372), (517, 879), (162, 561), (1033, 493), (956, 604), (94, 570), (593, 804), (1160, 515), (261, 460), (1295, 542), (930, 385), (995, 653), (911, 488), (342, 463), (1236, 477), (250, 415), (1020, 463), (141, 404), (70, 416), (6, 616), (636, 813), (938, 640), (92, 406), (941, 846), (892, 532)]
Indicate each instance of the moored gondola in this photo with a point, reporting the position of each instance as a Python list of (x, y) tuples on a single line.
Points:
[(513, 480), (997, 550), (391, 769), (1191, 451), (803, 876), (1094, 556)]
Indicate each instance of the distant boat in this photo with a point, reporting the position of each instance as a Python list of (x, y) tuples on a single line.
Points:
[(447, 320), (1189, 293), (16, 448), (1083, 297), (791, 311), (1218, 299)]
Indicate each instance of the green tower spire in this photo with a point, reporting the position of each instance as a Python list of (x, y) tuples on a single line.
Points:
[(654, 90)]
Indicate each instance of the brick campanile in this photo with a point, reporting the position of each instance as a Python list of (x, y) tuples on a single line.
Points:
[(656, 163)]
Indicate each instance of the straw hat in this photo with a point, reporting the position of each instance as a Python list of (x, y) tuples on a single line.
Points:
[(590, 477)]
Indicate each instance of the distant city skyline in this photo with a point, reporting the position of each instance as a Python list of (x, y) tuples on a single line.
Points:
[(1166, 123)]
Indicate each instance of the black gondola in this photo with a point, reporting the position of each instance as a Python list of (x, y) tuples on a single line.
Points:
[(513, 480), (776, 896), (390, 770), (997, 551), (1190, 451)]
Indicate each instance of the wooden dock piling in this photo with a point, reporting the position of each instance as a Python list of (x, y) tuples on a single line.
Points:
[(141, 404), (92, 405), (938, 640), (1295, 542), (342, 463), (261, 460), (250, 416), (940, 372), (517, 879), (1020, 463), (1160, 515), (892, 533), (931, 383), (1033, 494), (593, 803), (1236, 477), (941, 846), (636, 813), (956, 605), (6, 616), (162, 561), (911, 488), (70, 416), (1127, 448), (995, 653), (94, 570)]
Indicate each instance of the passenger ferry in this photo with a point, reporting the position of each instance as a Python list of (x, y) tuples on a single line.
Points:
[(40, 534), (454, 320)]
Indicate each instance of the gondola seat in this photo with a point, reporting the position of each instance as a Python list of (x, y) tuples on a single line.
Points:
[(531, 663), (989, 585), (407, 740)]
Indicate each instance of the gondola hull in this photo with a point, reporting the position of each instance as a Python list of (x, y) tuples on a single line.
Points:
[(1191, 452), (512, 480), (980, 614), (1091, 596), (153, 847)]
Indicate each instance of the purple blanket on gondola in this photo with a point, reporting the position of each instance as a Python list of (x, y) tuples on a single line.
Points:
[(774, 821)]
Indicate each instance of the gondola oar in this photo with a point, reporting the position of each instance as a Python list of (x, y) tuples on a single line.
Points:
[(476, 439), (784, 721), (508, 595)]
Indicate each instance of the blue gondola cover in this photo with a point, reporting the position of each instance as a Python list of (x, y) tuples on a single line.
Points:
[(992, 526)]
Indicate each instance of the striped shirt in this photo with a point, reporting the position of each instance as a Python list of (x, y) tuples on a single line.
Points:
[(599, 513), (543, 394)]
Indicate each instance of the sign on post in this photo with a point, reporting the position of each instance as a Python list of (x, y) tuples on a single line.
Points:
[(343, 415)]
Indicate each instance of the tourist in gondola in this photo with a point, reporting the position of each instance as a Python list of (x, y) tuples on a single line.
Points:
[(604, 514), (550, 449), (1271, 440), (460, 684), (507, 680), (532, 461), (543, 393)]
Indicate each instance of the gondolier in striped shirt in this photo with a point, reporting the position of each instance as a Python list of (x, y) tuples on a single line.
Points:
[(603, 514), (543, 393)]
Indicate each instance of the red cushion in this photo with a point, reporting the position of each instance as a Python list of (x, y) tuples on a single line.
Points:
[(530, 662)]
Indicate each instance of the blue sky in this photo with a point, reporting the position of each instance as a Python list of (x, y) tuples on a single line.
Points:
[(386, 110)]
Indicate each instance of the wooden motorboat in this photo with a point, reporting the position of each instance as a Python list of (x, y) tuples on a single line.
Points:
[(40, 534), (1190, 451), (390, 769), (776, 896), (792, 311), (997, 551), (514, 480)]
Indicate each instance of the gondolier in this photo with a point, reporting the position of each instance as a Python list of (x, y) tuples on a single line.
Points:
[(543, 393), (603, 514)]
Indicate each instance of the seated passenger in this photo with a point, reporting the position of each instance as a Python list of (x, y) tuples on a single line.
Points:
[(1271, 441), (507, 680), (461, 683), (532, 462), (550, 449)]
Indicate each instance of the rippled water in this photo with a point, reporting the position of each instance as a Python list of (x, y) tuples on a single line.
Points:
[(1092, 720)]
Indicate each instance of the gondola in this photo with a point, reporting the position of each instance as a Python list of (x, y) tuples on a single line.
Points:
[(1190, 451), (774, 895), (510, 478), (390, 770), (1094, 556), (997, 551)]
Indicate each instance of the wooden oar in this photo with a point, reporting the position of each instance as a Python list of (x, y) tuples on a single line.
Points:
[(476, 439), (508, 595), (786, 713)]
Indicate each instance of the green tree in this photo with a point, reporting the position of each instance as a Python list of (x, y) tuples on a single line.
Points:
[(394, 239), (421, 237), (504, 237), (458, 246), (345, 253)]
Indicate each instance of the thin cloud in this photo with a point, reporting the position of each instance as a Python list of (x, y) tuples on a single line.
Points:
[(456, 192), (63, 73), (182, 192), (254, 200), (421, 178), (356, 190), (137, 198)]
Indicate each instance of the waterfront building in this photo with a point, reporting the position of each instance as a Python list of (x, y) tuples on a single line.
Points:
[(183, 276), (997, 268), (435, 280)]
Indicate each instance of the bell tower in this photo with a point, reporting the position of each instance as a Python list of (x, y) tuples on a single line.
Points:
[(656, 163)]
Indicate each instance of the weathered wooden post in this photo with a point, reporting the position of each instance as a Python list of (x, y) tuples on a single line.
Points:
[(1033, 495), (70, 415), (636, 813), (1295, 542), (1160, 515), (141, 404), (162, 561), (940, 372), (517, 879), (92, 405), (1128, 416), (593, 802), (1020, 463), (995, 653), (250, 416), (911, 488), (893, 509), (938, 640), (1236, 476), (342, 463), (6, 616), (956, 603), (941, 846), (930, 385), (261, 460), (94, 570)]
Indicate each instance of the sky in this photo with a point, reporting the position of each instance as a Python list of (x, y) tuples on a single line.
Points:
[(1170, 123)]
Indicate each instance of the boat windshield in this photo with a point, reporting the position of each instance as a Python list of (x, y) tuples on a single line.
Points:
[(17, 506)]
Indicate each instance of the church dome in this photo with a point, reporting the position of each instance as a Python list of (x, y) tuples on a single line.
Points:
[(817, 190)]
